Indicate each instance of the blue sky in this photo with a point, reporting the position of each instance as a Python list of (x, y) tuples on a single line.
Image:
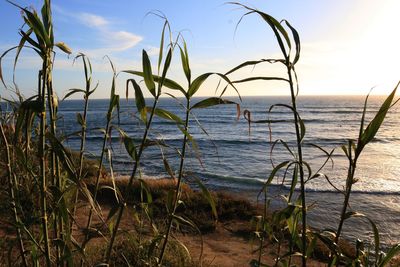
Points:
[(347, 46)]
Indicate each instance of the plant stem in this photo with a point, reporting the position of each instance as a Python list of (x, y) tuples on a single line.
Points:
[(12, 196), (301, 170), (82, 149), (349, 183), (42, 146), (54, 163), (97, 183), (178, 185), (132, 177)]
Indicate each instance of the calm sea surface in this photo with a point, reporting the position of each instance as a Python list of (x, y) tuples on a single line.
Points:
[(232, 158)]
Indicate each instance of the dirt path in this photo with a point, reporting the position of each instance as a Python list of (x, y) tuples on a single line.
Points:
[(227, 247)]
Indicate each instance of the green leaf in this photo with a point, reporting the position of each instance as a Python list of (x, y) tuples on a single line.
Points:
[(393, 251), (295, 177), (1, 58), (147, 74), (185, 221), (212, 101), (329, 242), (194, 87), (162, 113), (275, 26), (296, 38), (37, 26), (185, 61), (197, 83), (170, 201), (80, 119), (167, 63), (139, 99), (302, 128), (273, 173), (208, 197), (261, 78), (114, 102), (166, 82), (373, 225), (253, 63), (160, 55), (130, 147), (376, 123), (73, 91)]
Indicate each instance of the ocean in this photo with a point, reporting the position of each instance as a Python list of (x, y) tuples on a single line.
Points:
[(234, 157)]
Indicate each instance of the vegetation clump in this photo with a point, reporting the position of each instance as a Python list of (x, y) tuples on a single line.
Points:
[(63, 208)]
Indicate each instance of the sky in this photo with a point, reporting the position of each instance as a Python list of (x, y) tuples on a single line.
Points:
[(348, 46)]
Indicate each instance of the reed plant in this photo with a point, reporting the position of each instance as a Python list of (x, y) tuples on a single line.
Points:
[(136, 154), (183, 124), (352, 151), (39, 35), (292, 220), (36, 160), (289, 61)]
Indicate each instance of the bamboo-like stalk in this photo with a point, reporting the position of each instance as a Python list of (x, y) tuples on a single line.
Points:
[(300, 164), (55, 177), (178, 184), (83, 138), (42, 158), (349, 183), (123, 203), (12, 196)]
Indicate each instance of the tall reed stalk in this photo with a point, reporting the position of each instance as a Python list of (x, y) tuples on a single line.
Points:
[(150, 81), (43, 46), (12, 185), (353, 152), (285, 45), (189, 93), (114, 102), (82, 120)]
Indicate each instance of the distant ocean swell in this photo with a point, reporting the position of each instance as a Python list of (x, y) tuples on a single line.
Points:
[(235, 160)]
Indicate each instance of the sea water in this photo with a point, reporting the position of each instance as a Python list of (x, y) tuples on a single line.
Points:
[(230, 154)]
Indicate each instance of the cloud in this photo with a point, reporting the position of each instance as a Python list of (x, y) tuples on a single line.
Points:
[(109, 39), (92, 20), (125, 40)]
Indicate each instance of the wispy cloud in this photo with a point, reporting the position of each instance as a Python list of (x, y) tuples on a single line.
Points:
[(92, 20), (112, 40), (108, 38)]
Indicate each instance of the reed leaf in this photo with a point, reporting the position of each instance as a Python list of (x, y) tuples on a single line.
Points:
[(296, 38), (212, 101), (352, 214), (208, 197), (167, 63), (274, 24), (139, 98), (393, 251), (130, 147), (260, 78), (253, 63), (147, 73), (185, 61), (166, 82), (165, 114), (369, 133)]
